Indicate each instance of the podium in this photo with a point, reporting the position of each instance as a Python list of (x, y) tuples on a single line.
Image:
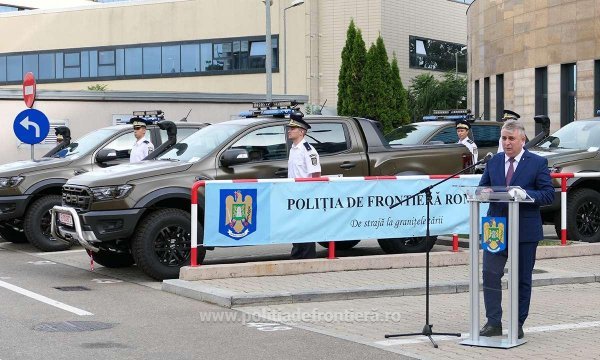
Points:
[(513, 196)]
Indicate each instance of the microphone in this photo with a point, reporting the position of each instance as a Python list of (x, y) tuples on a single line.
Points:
[(486, 158)]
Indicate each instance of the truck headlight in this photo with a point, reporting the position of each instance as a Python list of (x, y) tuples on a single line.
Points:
[(104, 193), (11, 181)]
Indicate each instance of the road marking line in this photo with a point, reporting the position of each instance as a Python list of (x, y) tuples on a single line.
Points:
[(44, 299), (535, 329)]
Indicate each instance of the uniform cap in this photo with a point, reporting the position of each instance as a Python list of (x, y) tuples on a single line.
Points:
[(297, 120), (463, 124), (138, 121), (510, 115)]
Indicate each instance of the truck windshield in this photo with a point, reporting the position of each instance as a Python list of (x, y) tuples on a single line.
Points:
[(201, 143), (580, 135), (411, 134), (87, 143)]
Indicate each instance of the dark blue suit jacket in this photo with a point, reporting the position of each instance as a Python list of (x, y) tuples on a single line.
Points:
[(533, 176)]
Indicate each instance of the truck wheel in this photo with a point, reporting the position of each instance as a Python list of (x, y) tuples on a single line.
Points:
[(113, 259), (341, 245), (12, 235), (583, 215), (162, 243), (406, 245), (36, 224)]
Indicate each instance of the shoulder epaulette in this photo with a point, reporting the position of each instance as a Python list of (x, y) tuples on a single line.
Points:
[(307, 146), (146, 142), (470, 141)]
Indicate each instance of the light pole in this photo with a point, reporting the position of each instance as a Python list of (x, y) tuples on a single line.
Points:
[(294, 4), (456, 58), (268, 52)]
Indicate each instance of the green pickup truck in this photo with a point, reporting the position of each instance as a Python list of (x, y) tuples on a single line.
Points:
[(146, 219), (29, 189)]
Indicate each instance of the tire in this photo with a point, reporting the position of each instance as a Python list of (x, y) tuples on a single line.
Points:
[(341, 245), (583, 215), (12, 235), (113, 259), (406, 245), (162, 243), (36, 224)]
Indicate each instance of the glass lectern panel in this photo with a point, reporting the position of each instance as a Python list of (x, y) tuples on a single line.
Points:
[(496, 194)]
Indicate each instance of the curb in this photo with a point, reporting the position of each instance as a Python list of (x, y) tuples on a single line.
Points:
[(229, 299), (371, 262)]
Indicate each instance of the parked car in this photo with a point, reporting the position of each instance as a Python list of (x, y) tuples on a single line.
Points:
[(29, 189), (575, 148), (148, 220)]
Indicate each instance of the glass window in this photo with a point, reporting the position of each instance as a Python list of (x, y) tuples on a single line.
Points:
[(437, 55), (170, 59), (182, 133), (59, 65), (206, 56), (85, 64), (448, 136), (106, 63), (72, 61), (485, 136), (151, 60), (124, 143), (30, 63), (327, 138), (47, 66), (14, 68), (264, 144), (120, 62), (93, 63), (2, 68), (410, 134), (133, 61), (190, 58)]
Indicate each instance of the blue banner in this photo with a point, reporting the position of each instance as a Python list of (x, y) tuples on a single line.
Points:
[(285, 212)]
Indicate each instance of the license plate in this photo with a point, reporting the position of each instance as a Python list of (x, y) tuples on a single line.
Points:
[(65, 219)]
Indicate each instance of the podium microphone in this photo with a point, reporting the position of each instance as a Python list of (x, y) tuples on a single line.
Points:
[(486, 158)]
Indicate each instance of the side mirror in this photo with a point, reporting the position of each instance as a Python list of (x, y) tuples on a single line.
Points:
[(234, 157), (106, 155)]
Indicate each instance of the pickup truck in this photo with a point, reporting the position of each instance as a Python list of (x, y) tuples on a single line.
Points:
[(146, 220), (575, 148), (29, 189)]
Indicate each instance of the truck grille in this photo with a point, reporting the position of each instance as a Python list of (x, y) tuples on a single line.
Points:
[(77, 197)]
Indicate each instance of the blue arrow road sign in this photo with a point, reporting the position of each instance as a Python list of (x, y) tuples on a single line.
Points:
[(31, 126)]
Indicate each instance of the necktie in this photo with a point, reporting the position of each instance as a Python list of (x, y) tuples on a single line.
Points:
[(511, 171)]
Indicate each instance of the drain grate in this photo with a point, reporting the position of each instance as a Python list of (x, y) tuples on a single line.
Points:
[(73, 326), (72, 288)]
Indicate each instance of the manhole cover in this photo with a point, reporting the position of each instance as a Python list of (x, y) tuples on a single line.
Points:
[(71, 288), (73, 326)]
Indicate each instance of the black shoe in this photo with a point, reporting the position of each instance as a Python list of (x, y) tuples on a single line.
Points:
[(521, 333), (491, 330)]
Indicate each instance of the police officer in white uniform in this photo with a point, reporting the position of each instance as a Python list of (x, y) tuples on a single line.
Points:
[(141, 147), (303, 163), (508, 115), (462, 130)]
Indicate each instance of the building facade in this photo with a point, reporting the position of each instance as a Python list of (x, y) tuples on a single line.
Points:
[(534, 57), (218, 47)]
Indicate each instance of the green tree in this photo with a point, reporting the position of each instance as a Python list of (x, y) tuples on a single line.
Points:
[(377, 99), (349, 81), (426, 93), (400, 111)]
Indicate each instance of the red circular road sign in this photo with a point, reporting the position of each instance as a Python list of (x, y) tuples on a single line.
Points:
[(29, 89)]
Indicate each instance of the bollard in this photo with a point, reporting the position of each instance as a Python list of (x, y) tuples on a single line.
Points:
[(454, 242), (331, 254)]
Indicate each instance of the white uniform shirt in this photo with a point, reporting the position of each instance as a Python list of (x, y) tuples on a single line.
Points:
[(470, 144), (303, 162), (140, 150)]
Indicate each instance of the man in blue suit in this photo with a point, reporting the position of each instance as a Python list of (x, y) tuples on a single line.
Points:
[(514, 167)]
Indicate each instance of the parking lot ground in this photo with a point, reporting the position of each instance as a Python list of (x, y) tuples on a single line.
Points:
[(563, 323)]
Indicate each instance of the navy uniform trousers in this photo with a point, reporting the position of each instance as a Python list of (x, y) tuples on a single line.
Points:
[(493, 270)]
